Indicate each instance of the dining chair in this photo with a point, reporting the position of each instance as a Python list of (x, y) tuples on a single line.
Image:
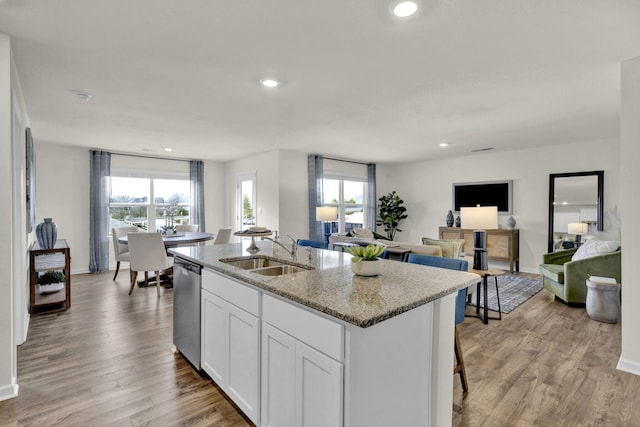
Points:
[(461, 302), (312, 244), (147, 253), (189, 228), (121, 250), (223, 236)]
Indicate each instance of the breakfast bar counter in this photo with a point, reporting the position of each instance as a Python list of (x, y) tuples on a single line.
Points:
[(314, 344)]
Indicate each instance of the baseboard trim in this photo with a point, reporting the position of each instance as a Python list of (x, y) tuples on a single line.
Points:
[(9, 391), (628, 366)]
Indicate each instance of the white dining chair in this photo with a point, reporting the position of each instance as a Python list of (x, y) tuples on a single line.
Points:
[(121, 250), (223, 236), (189, 228), (147, 253)]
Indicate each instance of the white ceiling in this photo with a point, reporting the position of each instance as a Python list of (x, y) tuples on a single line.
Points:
[(357, 82)]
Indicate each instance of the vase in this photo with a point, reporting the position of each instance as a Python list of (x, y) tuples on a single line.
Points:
[(47, 234), (458, 221), (511, 223), (366, 268), (450, 219)]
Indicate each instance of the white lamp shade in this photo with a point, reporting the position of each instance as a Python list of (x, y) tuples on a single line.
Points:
[(479, 218), (326, 213), (577, 228)]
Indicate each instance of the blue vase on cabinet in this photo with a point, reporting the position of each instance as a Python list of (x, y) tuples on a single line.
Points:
[(47, 234)]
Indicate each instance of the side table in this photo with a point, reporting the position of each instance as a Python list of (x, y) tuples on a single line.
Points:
[(485, 274)]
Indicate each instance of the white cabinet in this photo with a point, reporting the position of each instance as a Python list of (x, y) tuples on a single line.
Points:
[(301, 386), (231, 341)]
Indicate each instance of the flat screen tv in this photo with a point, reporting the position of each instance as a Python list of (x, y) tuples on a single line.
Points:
[(489, 193)]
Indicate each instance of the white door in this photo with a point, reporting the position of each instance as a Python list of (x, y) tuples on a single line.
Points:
[(246, 211), (243, 356), (318, 389), (214, 330), (278, 382)]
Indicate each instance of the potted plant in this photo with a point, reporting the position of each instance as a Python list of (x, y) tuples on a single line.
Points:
[(391, 213), (51, 281), (365, 259)]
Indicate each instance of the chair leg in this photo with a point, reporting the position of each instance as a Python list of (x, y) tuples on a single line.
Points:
[(134, 276), (158, 283), (117, 269), (459, 367), (146, 279)]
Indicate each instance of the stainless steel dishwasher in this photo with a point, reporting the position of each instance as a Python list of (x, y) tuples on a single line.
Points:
[(186, 309)]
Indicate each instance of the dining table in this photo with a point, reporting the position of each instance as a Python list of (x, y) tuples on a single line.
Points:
[(172, 241)]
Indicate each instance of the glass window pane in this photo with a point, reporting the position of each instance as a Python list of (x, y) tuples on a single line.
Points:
[(125, 216), (171, 191), (168, 216), (331, 190), (246, 191), (353, 192), (129, 190)]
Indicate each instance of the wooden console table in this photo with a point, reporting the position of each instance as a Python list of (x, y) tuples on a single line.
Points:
[(502, 244), (42, 260)]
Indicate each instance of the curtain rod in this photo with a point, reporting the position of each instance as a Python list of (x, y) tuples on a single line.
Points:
[(147, 156), (347, 161)]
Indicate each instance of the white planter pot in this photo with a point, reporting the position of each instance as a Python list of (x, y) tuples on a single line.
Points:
[(366, 268), (53, 287)]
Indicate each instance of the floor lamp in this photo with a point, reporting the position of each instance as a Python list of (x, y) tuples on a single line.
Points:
[(479, 219), (326, 214)]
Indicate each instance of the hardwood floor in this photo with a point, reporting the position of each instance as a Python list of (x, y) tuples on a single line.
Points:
[(544, 364), (108, 361)]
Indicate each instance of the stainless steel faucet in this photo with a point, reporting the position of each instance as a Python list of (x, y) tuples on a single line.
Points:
[(294, 245)]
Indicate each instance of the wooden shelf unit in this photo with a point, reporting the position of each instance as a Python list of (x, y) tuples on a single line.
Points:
[(502, 245), (41, 260)]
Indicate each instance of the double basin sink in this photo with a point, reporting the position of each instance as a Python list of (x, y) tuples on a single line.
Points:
[(265, 266)]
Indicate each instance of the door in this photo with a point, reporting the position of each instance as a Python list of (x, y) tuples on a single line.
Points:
[(278, 382), (243, 358), (213, 359), (318, 388), (246, 212)]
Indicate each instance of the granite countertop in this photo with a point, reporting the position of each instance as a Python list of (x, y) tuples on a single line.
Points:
[(331, 287)]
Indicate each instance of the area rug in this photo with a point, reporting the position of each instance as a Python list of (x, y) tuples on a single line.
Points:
[(514, 290)]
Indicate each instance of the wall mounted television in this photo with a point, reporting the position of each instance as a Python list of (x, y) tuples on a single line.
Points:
[(488, 193)]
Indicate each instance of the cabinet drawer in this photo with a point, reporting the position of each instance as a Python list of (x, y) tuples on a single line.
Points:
[(316, 331), (236, 293)]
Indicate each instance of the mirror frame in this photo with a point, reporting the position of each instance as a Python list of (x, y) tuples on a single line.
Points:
[(552, 186)]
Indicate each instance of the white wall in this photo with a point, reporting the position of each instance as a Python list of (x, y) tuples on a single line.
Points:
[(62, 193), (294, 194), (630, 206), (426, 188)]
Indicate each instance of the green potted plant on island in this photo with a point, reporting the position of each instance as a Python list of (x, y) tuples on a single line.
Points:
[(391, 213), (51, 281), (365, 259)]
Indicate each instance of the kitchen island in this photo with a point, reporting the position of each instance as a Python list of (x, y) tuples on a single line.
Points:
[(320, 346)]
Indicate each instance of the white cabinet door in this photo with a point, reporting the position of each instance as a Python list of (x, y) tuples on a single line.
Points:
[(318, 393), (278, 381), (243, 360), (213, 335)]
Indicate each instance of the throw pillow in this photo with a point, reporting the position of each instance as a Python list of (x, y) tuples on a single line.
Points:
[(432, 250), (595, 247), (363, 233), (450, 247)]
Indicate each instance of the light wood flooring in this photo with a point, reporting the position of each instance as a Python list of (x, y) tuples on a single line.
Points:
[(108, 361)]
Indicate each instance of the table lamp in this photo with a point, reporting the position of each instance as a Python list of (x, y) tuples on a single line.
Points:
[(578, 228), (479, 219), (326, 214)]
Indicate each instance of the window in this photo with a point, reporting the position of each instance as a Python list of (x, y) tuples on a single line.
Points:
[(246, 199), (348, 194), (148, 203)]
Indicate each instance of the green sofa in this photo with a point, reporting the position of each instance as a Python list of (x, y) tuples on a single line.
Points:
[(566, 279)]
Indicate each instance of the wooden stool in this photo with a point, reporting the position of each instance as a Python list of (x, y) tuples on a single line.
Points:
[(459, 366)]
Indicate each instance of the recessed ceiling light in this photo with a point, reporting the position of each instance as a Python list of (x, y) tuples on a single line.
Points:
[(82, 96), (405, 9), (444, 144), (168, 149), (270, 83)]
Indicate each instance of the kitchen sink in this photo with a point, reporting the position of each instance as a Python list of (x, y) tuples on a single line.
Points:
[(265, 266)]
